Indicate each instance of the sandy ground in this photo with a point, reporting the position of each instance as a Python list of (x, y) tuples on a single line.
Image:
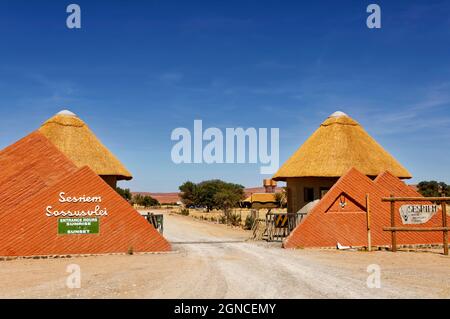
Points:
[(215, 215), (215, 261)]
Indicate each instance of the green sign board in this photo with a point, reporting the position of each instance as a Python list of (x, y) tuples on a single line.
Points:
[(78, 226)]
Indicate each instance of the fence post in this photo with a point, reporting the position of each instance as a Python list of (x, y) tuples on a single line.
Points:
[(369, 238), (393, 233), (444, 224)]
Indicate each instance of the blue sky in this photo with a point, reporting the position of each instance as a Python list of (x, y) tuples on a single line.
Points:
[(138, 69)]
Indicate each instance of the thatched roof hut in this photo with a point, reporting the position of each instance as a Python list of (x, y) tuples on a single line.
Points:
[(339, 144), (74, 138)]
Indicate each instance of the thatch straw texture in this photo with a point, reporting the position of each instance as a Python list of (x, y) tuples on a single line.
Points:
[(74, 138), (339, 144), (261, 198)]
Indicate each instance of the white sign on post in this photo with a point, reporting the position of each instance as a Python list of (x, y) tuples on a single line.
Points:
[(417, 214)]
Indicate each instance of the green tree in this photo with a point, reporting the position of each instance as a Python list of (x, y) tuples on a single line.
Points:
[(125, 193), (146, 201), (188, 193), (433, 189), (149, 201), (217, 194), (206, 191), (212, 194), (226, 199)]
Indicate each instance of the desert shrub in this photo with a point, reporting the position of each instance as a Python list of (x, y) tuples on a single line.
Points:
[(125, 193), (235, 219), (146, 201), (249, 221), (184, 212), (222, 219)]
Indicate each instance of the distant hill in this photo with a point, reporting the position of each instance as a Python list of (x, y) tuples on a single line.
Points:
[(163, 198), (169, 198)]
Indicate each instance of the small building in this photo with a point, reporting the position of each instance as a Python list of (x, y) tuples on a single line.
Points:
[(261, 201), (339, 144), (75, 139)]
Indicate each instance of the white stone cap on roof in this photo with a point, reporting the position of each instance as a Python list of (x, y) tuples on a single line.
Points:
[(338, 114), (66, 112)]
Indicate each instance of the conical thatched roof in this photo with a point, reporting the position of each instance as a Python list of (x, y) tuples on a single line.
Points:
[(339, 144), (74, 138)]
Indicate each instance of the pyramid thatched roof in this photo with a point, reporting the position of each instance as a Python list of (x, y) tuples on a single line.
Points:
[(74, 138), (339, 144)]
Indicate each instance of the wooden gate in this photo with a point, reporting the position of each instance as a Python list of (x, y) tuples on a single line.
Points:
[(276, 226), (157, 220)]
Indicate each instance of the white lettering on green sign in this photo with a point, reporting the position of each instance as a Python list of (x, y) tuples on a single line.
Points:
[(78, 226)]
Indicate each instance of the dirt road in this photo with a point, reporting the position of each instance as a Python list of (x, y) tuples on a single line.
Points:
[(214, 261)]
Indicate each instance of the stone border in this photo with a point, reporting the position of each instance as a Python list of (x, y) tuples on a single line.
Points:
[(407, 247), (69, 256)]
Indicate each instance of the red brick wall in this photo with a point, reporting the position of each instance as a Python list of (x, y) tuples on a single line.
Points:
[(28, 166), (33, 174), (27, 231), (327, 224)]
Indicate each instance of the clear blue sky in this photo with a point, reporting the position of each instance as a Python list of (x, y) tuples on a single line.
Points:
[(138, 69)]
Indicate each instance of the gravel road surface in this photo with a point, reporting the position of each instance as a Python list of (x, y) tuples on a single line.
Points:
[(216, 261)]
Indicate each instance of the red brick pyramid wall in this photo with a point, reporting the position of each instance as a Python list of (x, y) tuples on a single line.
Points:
[(27, 167), (329, 223), (36, 180)]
